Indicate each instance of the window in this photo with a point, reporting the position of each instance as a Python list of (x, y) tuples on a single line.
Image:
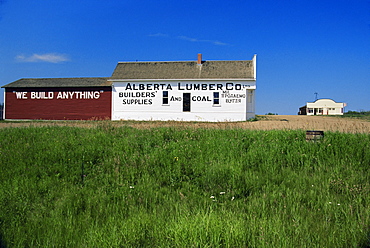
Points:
[(310, 110), (165, 97), (216, 98), (186, 102)]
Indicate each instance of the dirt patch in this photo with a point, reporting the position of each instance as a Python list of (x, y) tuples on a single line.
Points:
[(264, 122), (324, 123)]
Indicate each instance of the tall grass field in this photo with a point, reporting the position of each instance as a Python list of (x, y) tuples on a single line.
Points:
[(182, 187)]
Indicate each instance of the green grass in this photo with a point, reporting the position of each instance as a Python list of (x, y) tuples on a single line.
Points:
[(178, 187)]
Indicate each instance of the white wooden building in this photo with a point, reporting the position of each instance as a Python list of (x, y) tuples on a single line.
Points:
[(184, 90), (323, 107)]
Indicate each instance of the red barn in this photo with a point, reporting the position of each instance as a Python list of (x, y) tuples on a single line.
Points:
[(58, 99)]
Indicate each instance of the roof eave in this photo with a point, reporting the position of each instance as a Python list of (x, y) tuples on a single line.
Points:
[(180, 79)]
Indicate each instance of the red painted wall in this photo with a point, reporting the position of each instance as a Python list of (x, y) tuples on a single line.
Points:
[(58, 103)]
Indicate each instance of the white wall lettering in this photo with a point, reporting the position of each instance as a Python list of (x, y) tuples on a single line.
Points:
[(209, 100), (42, 95), (38, 95), (21, 95)]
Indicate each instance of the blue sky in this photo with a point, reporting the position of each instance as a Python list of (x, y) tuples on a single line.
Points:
[(302, 47)]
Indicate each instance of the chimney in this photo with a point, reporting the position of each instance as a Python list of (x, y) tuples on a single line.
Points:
[(199, 58)]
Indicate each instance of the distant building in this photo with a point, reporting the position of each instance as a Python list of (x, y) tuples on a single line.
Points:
[(58, 99), (184, 90), (322, 107), (175, 90)]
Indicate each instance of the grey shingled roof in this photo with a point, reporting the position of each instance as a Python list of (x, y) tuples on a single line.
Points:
[(242, 69), (59, 82)]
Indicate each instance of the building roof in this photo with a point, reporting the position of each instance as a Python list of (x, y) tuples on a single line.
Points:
[(232, 69), (243, 69), (323, 100), (58, 82)]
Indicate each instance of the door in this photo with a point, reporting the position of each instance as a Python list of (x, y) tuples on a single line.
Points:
[(186, 102)]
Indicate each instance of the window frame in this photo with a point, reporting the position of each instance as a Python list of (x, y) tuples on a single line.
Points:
[(165, 98), (216, 99)]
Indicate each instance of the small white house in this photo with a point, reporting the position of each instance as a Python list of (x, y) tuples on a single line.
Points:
[(184, 90), (323, 107)]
